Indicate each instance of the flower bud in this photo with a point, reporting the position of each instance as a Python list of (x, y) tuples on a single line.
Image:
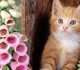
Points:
[(15, 13), (5, 14), (11, 2), (3, 4)]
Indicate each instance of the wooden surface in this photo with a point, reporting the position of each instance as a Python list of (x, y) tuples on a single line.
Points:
[(33, 9), (23, 16)]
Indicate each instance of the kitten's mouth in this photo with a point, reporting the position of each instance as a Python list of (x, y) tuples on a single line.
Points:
[(66, 31)]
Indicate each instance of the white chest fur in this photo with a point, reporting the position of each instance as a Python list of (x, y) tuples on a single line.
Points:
[(69, 42)]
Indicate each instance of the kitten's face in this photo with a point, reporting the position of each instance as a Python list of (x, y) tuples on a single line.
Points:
[(65, 20)]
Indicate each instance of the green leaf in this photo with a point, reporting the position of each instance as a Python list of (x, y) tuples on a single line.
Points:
[(0, 9), (11, 29), (3, 21), (9, 7), (78, 69), (78, 65), (18, 25), (11, 50), (7, 68)]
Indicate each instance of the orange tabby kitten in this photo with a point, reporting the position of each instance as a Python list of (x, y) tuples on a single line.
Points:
[(62, 50)]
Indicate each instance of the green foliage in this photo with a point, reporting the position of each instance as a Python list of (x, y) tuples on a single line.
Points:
[(11, 50), (6, 67)]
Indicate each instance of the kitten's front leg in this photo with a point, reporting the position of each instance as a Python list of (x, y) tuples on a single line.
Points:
[(48, 64), (50, 55), (49, 59), (69, 66)]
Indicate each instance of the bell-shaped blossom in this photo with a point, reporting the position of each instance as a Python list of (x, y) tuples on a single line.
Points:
[(21, 59), (5, 58), (22, 37), (15, 13), (9, 22), (21, 49), (4, 47), (3, 3), (4, 31), (5, 14), (17, 66), (11, 2), (12, 39)]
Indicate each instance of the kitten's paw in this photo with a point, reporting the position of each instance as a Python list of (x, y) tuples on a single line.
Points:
[(66, 69)]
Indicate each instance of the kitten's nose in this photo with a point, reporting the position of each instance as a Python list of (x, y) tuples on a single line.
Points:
[(65, 27)]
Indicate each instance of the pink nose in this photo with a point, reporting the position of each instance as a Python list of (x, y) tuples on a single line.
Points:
[(65, 27)]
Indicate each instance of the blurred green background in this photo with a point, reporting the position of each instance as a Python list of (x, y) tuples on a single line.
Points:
[(18, 22)]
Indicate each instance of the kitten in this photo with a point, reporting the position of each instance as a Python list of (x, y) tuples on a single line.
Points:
[(62, 50)]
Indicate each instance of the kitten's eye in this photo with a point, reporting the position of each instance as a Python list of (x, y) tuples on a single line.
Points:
[(72, 22), (60, 21)]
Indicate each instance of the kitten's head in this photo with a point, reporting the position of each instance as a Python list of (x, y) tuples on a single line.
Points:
[(65, 19)]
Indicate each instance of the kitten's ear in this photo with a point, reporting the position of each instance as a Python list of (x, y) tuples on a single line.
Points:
[(56, 7), (78, 10)]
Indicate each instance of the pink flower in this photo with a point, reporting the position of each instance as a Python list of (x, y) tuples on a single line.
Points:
[(9, 22), (1, 67), (21, 49), (12, 39), (17, 66), (4, 47), (3, 31), (5, 58), (21, 59), (21, 36)]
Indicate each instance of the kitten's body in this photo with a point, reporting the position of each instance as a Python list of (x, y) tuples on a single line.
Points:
[(62, 49)]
